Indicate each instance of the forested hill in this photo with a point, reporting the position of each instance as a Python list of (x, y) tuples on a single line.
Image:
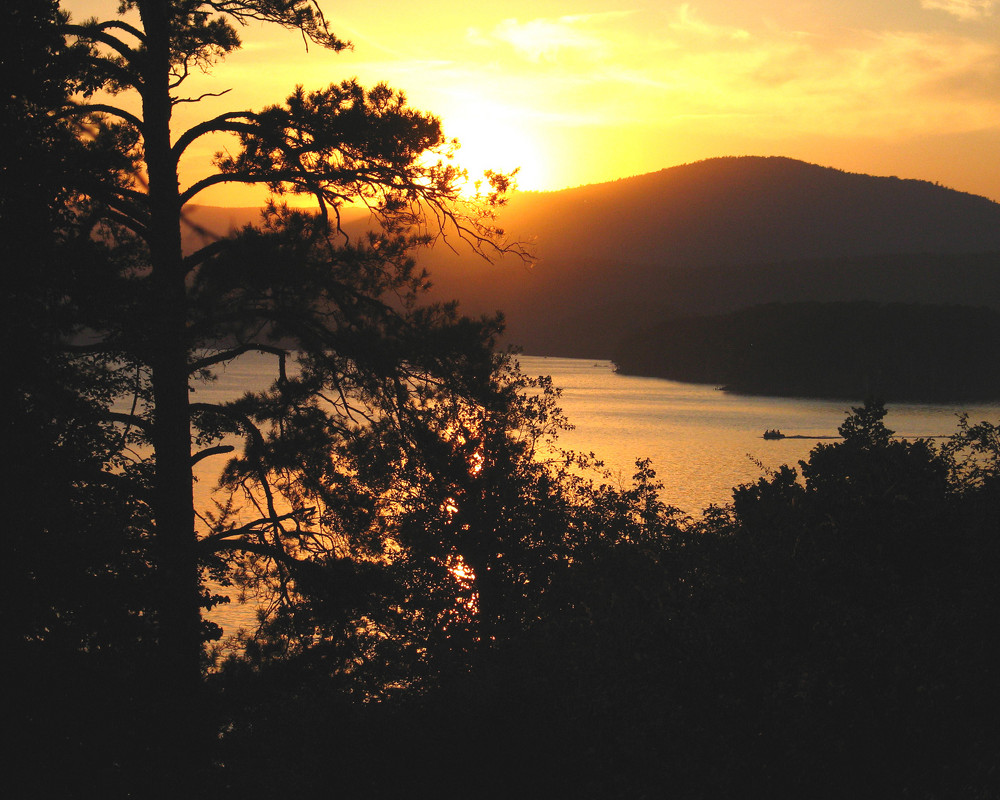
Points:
[(753, 210), (722, 234), (849, 350), (712, 237)]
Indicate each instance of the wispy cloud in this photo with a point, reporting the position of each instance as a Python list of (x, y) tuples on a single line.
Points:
[(687, 21), (963, 9), (868, 83), (545, 39), (682, 64)]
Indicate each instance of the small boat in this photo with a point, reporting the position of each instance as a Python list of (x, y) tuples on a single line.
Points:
[(773, 433)]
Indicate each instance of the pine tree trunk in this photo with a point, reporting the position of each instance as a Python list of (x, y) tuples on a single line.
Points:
[(173, 506)]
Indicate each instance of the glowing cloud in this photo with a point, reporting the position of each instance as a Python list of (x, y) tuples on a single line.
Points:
[(688, 22), (963, 9), (543, 39)]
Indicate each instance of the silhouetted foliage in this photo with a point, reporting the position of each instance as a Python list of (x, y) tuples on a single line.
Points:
[(117, 324), (77, 605), (826, 636)]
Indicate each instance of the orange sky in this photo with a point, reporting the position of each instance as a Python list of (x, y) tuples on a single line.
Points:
[(577, 93)]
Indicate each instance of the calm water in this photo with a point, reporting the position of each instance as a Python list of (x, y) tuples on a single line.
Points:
[(702, 441)]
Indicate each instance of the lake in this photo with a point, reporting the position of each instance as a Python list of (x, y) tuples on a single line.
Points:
[(702, 441)]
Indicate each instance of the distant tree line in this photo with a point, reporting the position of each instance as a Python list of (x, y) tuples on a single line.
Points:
[(901, 352)]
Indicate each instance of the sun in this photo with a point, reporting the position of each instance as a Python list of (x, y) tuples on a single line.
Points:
[(492, 140)]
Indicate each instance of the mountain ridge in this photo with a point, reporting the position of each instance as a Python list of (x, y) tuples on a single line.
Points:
[(715, 235), (719, 234), (753, 195)]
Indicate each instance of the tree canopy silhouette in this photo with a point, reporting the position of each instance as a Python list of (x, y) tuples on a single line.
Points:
[(378, 380), (826, 635), (77, 603)]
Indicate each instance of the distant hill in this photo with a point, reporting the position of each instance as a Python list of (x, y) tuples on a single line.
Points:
[(897, 352), (712, 237), (723, 234)]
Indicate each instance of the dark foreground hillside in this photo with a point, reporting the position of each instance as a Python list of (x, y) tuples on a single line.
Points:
[(830, 636), (850, 350)]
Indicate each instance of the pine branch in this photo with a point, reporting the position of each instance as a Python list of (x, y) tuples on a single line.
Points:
[(96, 33), (200, 97), (229, 355), (100, 108), (224, 123), (130, 419), (211, 451)]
